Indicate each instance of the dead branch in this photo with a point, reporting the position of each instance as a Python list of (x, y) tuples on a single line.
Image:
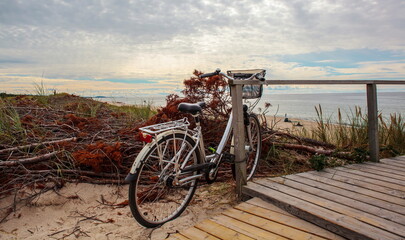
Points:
[(102, 181), (300, 140), (346, 155), (75, 172), (59, 126), (29, 160), (92, 218), (37, 144)]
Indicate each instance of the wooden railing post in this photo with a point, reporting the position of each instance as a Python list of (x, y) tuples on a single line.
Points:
[(372, 122), (239, 138)]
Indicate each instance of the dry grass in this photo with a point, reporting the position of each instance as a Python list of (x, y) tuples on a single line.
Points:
[(352, 135)]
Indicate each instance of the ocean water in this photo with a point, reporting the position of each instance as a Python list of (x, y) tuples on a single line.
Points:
[(302, 106)]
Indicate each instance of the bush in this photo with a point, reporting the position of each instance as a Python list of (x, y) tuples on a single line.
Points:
[(318, 162), (212, 91)]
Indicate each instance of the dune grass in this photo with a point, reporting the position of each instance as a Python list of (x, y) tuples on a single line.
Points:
[(352, 134), (135, 113), (11, 129)]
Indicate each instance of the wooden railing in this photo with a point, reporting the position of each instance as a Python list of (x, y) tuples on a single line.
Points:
[(236, 89)]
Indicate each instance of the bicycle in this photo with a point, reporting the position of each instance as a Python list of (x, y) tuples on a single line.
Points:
[(164, 176)]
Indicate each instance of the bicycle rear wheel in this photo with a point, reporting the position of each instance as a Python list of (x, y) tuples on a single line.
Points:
[(153, 198)]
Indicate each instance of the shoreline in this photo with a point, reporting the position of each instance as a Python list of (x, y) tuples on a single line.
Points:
[(293, 124)]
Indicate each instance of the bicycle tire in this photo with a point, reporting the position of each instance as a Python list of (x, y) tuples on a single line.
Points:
[(148, 203), (253, 156)]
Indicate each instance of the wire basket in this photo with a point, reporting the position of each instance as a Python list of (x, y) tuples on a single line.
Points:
[(248, 91)]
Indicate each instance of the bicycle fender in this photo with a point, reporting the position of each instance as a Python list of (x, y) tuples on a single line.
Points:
[(146, 149)]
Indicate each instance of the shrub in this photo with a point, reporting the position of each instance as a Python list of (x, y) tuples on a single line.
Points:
[(318, 162)]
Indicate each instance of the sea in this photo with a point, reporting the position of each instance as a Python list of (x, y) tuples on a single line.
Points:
[(302, 106)]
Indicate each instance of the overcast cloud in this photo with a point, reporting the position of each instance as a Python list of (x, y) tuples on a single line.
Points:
[(153, 43)]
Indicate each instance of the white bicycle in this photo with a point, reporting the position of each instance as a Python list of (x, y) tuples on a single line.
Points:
[(163, 177)]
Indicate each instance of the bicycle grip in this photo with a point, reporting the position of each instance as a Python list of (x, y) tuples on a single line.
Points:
[(210, 74)]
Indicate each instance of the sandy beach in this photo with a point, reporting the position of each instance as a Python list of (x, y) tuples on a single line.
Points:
[(87, 211), (293, 124)]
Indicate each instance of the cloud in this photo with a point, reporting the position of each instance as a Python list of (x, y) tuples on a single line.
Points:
[(166, 40)]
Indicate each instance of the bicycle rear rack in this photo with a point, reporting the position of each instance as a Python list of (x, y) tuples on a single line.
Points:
[(161, 127)]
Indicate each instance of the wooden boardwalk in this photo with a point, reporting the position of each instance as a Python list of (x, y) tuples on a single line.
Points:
[(255, 219), (360, 201)]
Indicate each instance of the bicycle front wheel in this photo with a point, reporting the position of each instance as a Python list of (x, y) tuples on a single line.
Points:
[(254, 143), (153, 197), (253, 147)]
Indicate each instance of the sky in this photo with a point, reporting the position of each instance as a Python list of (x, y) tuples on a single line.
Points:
[(127, 48)]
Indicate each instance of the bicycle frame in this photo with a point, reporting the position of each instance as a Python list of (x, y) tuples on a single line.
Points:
[(181, 126)]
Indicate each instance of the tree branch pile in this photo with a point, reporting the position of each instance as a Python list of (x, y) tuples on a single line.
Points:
[(66, 140)]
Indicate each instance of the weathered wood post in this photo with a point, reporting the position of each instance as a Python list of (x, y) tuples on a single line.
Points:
[(372, 122), (239, 137)]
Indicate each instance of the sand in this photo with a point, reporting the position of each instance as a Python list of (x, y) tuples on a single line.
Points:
[(77, 212), (293, 125)]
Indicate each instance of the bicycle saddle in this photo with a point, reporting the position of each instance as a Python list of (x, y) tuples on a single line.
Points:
[(192, 108)]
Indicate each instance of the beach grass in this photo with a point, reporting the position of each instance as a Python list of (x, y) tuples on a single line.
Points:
[(352, 135), (135, 113), (11, 129)]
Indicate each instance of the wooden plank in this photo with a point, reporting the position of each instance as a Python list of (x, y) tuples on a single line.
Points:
[(368, 183), (383, 168), (400, 185), (291, 221), (247, 229), (195, 233), (394, 161), (220, 231), (400, 158), (375, 171), (356, 186), (372, 113), (270, 226), (352, 193), (239, 138), (369, 178), (394, 165), (335, 222), (387, 166), (263, 204), (379, 213), (363, 216)]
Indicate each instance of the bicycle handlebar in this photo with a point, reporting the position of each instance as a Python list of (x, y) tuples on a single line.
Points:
[(210, 74), (218, 72)]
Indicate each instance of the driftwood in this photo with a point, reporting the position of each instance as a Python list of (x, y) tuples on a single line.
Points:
[(28, 160), (37, 144), (300, 140), (312, 150), (71, 172), (102, 181)]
